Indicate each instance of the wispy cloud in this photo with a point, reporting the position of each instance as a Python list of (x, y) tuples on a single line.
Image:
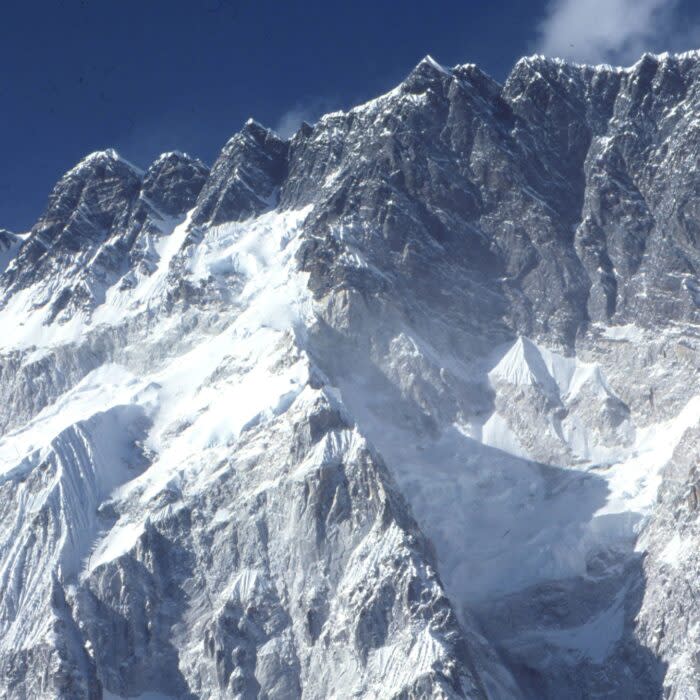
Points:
[(615, 31), (307, 111)]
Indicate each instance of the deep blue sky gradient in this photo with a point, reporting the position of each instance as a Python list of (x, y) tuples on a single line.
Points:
[(153, 75), (148, 76)]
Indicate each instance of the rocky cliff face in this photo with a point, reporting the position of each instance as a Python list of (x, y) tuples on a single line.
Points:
[(405, 406)]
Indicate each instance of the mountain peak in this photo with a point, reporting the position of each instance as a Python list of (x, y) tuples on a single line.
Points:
[(173, 182), (429, 62), (176, 155), (175, 159), (107, 157), (428, 72), (522, 365), (245, 176), (255, 128)]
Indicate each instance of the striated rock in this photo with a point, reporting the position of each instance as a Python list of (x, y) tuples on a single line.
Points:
[(245, 177)]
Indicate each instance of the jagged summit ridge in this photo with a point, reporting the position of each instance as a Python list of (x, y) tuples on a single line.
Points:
[(663, 57), (105, 157)]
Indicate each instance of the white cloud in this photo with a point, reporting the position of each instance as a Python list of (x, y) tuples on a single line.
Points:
[(308, 111), (291, 120), (615, 31)]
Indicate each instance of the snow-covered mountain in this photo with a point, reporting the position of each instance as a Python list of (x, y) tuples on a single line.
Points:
[(405, 406)]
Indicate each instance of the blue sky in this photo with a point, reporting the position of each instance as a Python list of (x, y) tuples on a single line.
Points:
[(149, 76)]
